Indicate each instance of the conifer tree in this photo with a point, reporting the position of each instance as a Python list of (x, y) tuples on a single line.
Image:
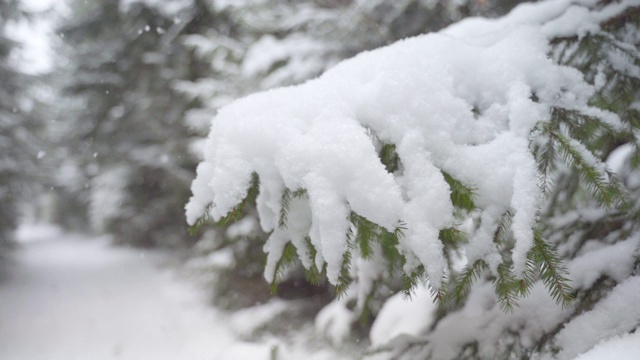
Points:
[(18, 127), (586, 150), (254, 46), (127, 128)]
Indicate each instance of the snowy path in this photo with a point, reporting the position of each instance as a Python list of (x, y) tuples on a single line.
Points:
[(68, 297)]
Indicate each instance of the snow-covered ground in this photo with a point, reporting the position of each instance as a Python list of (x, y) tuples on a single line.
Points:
[(72, 297)]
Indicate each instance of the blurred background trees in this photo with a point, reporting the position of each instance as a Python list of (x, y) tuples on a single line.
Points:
[(108, 139), (20, 149), (137, 83), (112, 143), (124, 125)]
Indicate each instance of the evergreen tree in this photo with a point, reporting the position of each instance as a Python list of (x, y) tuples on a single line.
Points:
[(336, 214), (127, 128), (264, 44), (18, 127)]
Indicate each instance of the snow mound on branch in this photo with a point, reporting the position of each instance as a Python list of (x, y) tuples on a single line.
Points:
[(403, 315), (625, 347), (463, 101), (537, 314), (617, 314)]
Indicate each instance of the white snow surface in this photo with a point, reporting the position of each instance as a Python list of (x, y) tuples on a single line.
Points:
[(625, 347), (458, 101), (69, 297), (617, 314), (334, 321), (402, 315), (482, 320), (73, 297)]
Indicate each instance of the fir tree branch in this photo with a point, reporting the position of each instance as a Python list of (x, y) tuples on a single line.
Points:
[(410, 281), (453, 238), (344, 280), (601, 184), (461, 284), (284, 208), (552, 270), (389, 157), (193, 229), (547, 164), (286, 259), (507, 287), (462, 196)]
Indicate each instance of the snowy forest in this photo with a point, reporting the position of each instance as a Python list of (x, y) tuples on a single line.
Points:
[(320, 179)]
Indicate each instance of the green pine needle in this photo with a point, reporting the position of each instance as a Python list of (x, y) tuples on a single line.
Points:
[(507, 287), (389, 157), (287, 258), (453, 238), (410, 281), (601, 184), (284, 208), (462, 196), (552, 271), (462, 283)]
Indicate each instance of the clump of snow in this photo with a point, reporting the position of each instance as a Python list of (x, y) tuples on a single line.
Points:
[(614, 261), (618, 157), (619, 162), (626, 347), (403, 315), (244, 227), (617, 314), (220, 259), (482, 321), (460, 101), (334, 321), (246, 321)]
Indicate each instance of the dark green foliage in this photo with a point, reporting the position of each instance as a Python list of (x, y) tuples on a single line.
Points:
[(410, 281), (237, 213), (344, 280), (287, 259), (19, 129), (599, 181), (571, 149), (313, 275), (452, 238), (193, 229), (389, 157), (460, 284), (544, 258), (366, 232), (365, 236), (507, 289), (284, 208), (462, 196), (122, 111), (286, 198)]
